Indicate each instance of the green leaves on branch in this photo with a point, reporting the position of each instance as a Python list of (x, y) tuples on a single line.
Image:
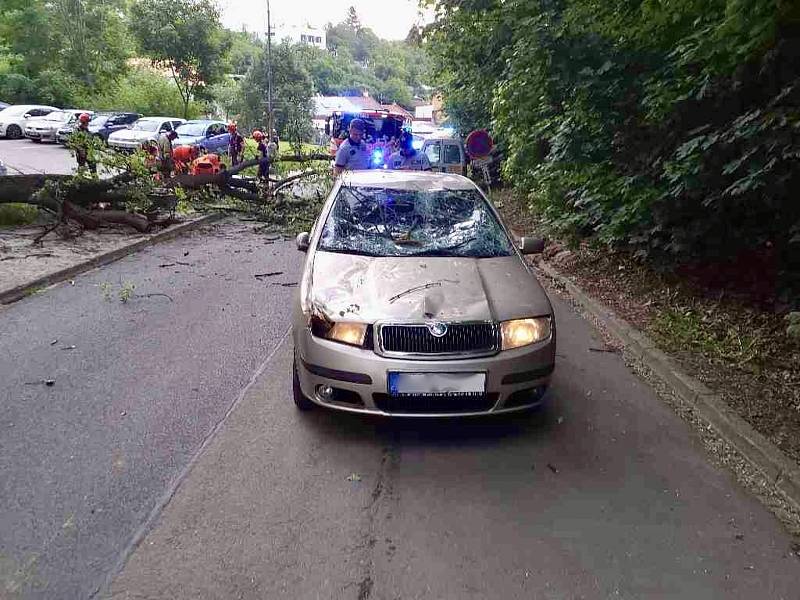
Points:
[(670, 127)]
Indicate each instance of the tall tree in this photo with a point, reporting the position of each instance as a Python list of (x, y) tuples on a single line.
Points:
[(184, 36), (292, 90), (92, 37)]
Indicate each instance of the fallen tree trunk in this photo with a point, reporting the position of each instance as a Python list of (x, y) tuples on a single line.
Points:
[(73, 197)]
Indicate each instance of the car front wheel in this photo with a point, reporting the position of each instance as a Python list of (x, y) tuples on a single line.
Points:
[(14, 132), (301, 401)]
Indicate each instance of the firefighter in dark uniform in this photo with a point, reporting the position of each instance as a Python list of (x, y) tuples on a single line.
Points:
[(235, 144), (81, 142), (267, 153)]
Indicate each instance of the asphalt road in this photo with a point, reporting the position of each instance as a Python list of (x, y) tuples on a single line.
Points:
[(25, 157), (604, 494), (83, 462)]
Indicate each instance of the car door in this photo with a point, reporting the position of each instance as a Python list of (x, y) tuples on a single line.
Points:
[(218, 137), (452, 157), (433, 150)]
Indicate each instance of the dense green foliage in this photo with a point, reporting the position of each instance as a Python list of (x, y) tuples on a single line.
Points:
[(291, 98), (58, 51), (77, 53), (671, 127), (172, 57), (190, 43), (357, 61)]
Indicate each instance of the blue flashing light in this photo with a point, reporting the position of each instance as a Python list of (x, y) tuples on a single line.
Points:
[(377, 158)]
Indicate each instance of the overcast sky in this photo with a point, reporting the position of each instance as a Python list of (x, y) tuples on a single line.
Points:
[(390, 20)]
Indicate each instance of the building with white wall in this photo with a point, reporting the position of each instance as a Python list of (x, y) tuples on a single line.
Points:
[(302, 34)]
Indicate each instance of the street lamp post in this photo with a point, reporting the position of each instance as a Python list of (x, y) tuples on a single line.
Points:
[(269, 74)]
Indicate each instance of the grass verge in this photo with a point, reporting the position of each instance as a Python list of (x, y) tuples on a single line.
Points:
[(745, 354), (14, 215)]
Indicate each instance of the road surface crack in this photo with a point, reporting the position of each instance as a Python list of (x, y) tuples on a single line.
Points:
[(389, 460)]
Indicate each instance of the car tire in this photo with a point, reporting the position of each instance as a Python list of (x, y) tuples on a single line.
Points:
[(35, 141), (14, 132), (301, 401)]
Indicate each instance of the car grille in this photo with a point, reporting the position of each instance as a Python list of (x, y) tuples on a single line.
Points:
[(448, 404), (459, 338)]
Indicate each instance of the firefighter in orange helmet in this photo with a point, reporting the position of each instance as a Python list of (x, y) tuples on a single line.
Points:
[(80, 141), (235, 144)]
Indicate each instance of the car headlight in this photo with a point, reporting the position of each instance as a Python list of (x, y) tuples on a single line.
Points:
[(524, 332), (352, 334)]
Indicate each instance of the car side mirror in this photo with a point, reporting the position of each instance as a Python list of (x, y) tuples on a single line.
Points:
[(529, 245), (303, 241), (26, 116)]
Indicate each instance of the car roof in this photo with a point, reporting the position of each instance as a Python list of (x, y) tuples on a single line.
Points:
[(407, 180), (32, 106), (202, 121), (161, 119)]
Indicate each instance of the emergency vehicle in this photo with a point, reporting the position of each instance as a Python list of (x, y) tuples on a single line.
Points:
[(382, 125)]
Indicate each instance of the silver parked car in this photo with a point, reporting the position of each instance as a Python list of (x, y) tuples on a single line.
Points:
[(144, 130), (414, 301), (45, 129), (13, 118)]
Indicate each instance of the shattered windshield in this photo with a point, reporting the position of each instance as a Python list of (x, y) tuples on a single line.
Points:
[(391, 222)]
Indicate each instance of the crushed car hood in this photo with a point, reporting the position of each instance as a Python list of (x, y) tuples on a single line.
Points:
[(367, 289)]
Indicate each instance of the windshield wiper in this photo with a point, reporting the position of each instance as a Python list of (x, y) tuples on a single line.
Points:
[(352, 251)]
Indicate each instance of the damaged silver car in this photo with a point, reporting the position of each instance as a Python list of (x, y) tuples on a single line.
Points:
[(415, 301)]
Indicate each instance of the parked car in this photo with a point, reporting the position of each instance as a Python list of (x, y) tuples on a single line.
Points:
[(45, 129), (102, 125), (147, 128), (446, 153), (415, 301), (13, 118), (211, 135)]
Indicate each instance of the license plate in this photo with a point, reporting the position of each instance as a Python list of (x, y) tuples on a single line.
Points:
[(420, 384)]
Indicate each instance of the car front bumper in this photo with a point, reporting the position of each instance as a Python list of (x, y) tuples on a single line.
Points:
[(126, 144), (515, 379), (48, 135)]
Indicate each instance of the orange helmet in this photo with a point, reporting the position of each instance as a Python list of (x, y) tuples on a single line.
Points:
[(84, 117), (231, 127), (258, 136)]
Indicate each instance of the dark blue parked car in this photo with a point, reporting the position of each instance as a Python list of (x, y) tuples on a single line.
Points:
[(211, 135), (103, 125)]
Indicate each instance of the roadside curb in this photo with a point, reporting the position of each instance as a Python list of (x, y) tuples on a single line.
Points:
[(753, 446), (21, 291)]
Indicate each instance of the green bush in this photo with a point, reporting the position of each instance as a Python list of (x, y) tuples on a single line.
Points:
[(671, 128), (143, 91), (12, 215)]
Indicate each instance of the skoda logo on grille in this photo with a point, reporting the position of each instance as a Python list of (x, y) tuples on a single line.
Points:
[(437, 329)]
